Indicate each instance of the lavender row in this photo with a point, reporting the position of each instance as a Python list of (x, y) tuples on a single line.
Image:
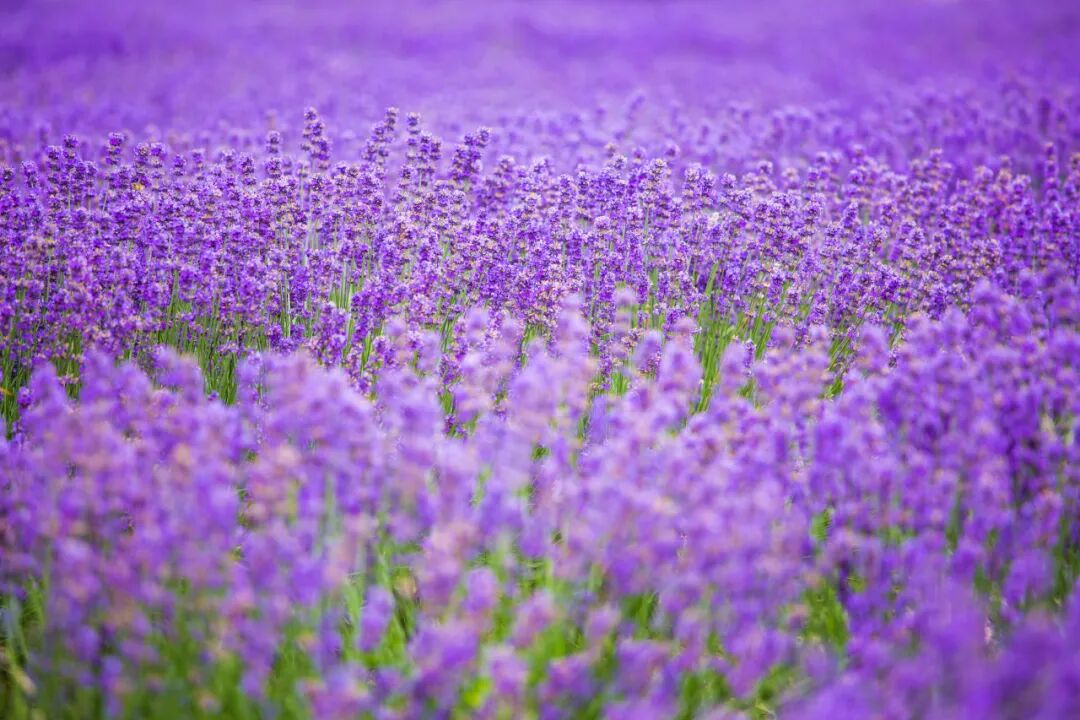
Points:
[(245, 247), (313, 550), (563, 68)]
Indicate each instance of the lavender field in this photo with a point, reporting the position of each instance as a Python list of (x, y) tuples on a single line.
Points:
[(635, 360)]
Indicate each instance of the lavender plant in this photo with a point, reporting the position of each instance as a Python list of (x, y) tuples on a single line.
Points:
[(558, 400)]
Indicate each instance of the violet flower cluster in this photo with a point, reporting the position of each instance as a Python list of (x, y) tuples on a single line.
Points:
[(585, 394)]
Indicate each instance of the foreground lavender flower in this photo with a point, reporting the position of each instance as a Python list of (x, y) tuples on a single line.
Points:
[(562, 400), (356, 537)]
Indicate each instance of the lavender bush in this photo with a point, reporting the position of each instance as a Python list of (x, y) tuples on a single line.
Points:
[(655, 360)]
